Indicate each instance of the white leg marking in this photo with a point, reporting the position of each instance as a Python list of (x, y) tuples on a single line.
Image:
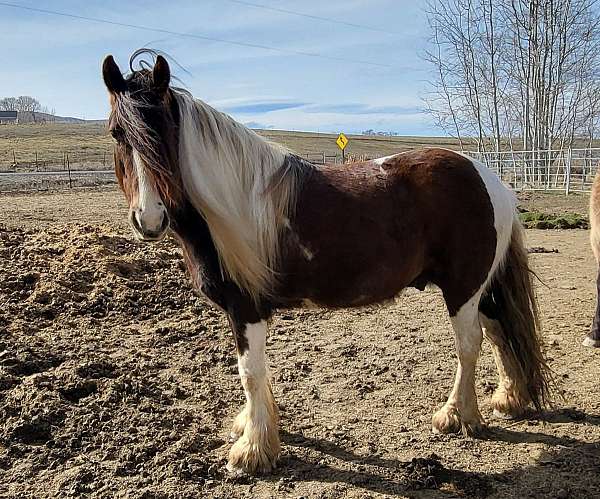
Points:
[(258, 446), (461, 411)]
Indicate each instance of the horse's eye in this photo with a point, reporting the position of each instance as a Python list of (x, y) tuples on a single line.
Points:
[(118, 134)]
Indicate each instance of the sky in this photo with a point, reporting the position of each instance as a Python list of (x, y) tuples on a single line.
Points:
[(367, 72)]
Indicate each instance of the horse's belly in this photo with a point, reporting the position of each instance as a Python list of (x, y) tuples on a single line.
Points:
[(346, 282)]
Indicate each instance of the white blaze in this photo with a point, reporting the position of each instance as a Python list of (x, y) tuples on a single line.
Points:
[(150, 210)]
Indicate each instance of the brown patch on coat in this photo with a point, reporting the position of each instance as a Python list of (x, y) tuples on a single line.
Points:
[(421, 217)]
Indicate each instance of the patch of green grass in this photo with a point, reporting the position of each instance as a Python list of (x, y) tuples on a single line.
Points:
[(539, 220)]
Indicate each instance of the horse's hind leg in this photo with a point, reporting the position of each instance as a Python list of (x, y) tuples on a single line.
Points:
[(510, 398), (460, 412)]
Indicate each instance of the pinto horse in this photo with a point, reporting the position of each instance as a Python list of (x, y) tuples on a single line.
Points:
[(262, 229)]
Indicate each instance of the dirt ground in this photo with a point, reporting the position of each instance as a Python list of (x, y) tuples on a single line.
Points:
[(116, 381)]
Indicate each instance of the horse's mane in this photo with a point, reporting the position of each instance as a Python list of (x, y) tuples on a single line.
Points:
[(243, 185)]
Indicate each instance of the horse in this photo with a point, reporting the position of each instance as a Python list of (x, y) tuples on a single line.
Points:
[(262, 229), (593, 337)]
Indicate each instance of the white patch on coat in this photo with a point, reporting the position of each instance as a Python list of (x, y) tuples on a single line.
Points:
[(252, 362), (380, 161), (308, 254), (504, 205), (150, 210), (461, 407)]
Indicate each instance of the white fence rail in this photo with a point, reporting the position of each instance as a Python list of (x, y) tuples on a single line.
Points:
[(565, 170)]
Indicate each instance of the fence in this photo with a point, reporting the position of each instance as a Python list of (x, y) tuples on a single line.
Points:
[(40, 161), (35, 171), (564, 170)]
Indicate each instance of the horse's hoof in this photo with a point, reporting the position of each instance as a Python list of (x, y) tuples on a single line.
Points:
[(252, 459), (508, 403), (590, 342), (449, 420), (474, 428), (446, 420)]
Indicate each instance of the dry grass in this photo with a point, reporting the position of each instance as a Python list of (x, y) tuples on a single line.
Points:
[(51, 141)]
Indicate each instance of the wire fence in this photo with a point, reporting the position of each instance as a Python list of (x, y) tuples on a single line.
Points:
[(46, 161), (564, 170), (51, 170)]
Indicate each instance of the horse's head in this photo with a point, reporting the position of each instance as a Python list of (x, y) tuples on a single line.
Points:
[(143, 121)]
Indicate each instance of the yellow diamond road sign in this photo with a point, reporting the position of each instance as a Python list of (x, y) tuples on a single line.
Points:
[(342, 141)]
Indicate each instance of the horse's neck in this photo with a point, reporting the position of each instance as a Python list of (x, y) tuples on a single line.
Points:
[(199, 249)]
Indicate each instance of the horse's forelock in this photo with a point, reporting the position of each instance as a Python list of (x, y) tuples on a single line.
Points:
[(158, 152)]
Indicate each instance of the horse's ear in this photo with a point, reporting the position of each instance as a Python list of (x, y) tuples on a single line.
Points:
[(161, 75), (113, 79)]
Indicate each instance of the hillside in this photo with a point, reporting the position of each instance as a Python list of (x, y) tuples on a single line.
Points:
[(30, 117), (90, 143)]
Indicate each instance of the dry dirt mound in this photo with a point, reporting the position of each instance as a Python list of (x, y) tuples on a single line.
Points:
[(84, 400)]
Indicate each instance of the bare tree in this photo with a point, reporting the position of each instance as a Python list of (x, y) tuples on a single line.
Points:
[(8, 104), (513, 71)]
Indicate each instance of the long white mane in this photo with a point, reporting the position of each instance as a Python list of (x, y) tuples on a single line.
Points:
[(227, 172)]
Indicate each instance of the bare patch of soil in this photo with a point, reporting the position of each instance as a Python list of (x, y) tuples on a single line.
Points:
[(117, 381)]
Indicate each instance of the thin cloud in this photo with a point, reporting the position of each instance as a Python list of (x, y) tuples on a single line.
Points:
[(261, 107), (363, 109)]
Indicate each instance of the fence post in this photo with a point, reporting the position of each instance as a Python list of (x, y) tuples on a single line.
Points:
[(568, 165), (69, 169)]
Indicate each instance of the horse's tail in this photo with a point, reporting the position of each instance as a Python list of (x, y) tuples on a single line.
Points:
[(595, 217), (510, 300)]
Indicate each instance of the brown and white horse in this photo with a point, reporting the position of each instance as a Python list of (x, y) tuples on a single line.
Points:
[(262, 229), (593, 337)]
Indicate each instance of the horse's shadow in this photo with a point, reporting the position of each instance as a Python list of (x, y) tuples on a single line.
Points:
[(567, 467)]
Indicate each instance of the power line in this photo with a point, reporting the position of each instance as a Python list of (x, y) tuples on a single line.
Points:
[(318, 18), (193, 36)]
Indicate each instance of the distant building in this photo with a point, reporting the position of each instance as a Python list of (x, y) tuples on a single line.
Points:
[(7, 117)]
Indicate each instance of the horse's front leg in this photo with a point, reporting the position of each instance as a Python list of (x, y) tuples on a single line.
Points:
[(257, 426)]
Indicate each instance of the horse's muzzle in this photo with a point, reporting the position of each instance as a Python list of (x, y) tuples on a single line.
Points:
[(142, 233)]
